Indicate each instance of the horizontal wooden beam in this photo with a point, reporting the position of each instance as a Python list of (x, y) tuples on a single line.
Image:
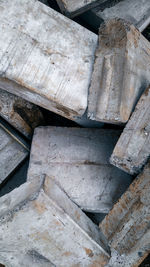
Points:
[(73, 8), (46, 58)]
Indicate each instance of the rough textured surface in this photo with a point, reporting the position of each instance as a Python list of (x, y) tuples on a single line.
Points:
[(121, 72), (133, 147), (55, 69), (127, 224), (11, 154), (40, 226), (136, 11), (73, 8), (21, 114), (78, 159)]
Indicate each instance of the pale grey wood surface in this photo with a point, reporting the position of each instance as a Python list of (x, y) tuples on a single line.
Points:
[(11, 154), (121, 72), (127, 225), (133, 147), (45, 57), (21, 114), (136, 12), (72, 8), (41, 227), (78, 159)]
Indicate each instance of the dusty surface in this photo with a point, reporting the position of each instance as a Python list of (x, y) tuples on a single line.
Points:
[(21, 114), (78, 159), (11, 155), (133, 147), (121, 72), (40, 226), (127, 224), (53, 72)]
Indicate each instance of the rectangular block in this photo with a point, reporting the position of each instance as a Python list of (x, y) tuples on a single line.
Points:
[(73, 8), (133, 147), (121, 72), (127, 224), (45, 57), (136, 12), (40, 226), (12, 153), (21, 114), (78, 160)]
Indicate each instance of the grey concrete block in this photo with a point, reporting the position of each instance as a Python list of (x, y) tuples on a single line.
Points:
[(78, 159), (40, 226)]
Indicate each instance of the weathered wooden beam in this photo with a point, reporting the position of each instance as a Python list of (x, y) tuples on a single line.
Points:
[(78, 159), (12, 152), (73, 8), (121, 72), (40, 226), (127, 224), (136, 12), (133, 147), (50, 67), (21, 114)]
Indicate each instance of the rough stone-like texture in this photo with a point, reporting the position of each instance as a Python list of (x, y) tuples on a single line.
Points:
[(11, 154), (127, 224), (20, 113), (136, 12), (78, 159), (133, 147), (72, 8), (121, 72), (45, 57), (40, 226)]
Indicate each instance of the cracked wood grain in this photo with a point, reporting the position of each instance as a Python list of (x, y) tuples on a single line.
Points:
[(45, 58), (133, 147), (21, 114), (127, 224), (121, 72)]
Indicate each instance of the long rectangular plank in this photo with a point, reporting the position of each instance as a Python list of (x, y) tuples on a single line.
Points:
[(136, 12), (12, 153), (78, 159), (121, 72), (44, 57), (127, 224), (72, 8), (133, 147), (41, 227)]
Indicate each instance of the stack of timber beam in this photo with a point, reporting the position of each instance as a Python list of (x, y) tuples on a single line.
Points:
[(54, 69)]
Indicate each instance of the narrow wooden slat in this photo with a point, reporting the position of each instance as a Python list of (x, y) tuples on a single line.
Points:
[(127, 224), (133, 147)]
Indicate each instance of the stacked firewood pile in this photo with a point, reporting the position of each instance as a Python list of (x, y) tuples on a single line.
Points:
[(75, 103)]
